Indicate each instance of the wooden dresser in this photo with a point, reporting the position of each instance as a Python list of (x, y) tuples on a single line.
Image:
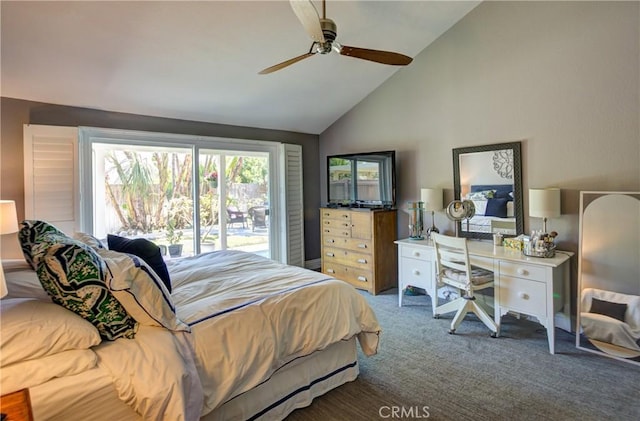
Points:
[(358, 247)]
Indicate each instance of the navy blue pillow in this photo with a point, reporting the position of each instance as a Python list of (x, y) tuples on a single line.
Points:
[(496, 207), (607, 308), (144, 249)]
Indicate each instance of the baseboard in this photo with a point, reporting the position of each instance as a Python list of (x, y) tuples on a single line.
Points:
[(314, 264)]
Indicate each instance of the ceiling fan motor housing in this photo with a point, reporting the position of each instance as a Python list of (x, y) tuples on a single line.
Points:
[(329, 29)]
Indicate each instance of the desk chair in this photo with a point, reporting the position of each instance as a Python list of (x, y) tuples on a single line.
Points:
[(453, 268)]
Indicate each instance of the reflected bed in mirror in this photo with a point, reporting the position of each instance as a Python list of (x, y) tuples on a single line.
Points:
[(491, 177)]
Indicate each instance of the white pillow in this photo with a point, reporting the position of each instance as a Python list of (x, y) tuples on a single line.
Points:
[(32, 373), (140, 291), (33, 329), (22, 281)]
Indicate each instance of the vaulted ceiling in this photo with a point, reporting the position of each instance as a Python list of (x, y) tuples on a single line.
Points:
[(199, 60)]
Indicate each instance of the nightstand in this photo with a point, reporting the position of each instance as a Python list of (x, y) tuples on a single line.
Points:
[(16, 406)]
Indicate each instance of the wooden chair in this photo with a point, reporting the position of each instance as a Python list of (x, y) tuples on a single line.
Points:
[(453, 268)]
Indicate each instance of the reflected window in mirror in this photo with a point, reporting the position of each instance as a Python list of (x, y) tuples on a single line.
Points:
[(491, 177)]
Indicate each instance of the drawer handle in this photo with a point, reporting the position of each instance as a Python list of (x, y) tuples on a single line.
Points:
[(416, 253), (345, 224), (416, 272), (362, 260), (327, 222), (331, 241), (330, 254), (327, 230), (523, 295), (362, 278), (331, 271), (362, 246), (522, 271), (346, 234), (345, 216)]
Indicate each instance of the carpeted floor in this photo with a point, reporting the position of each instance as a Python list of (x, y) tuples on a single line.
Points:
[(422, 372)]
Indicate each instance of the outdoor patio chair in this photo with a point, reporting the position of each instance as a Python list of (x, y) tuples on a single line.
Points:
[(258, 215), (236, 216)]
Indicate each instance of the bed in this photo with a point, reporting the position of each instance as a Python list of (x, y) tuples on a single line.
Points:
[(238, 337), (494, 212)]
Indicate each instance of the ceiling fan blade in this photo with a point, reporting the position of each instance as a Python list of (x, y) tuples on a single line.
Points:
[(284, 64), (308, 16), (379, 56)]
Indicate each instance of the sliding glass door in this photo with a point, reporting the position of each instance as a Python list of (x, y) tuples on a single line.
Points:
[(186, 198)]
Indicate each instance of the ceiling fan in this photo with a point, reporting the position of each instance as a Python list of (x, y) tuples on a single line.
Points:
[(323, 32)]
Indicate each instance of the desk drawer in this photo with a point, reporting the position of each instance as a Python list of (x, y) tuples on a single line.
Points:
[(523, 295), (417, 253), (417, 273), (522, 270), (336, 223)]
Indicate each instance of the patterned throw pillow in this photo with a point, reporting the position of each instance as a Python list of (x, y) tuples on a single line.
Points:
[(74, 276), (31, 235)]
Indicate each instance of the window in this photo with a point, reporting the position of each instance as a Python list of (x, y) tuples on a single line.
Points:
[(198, 193)]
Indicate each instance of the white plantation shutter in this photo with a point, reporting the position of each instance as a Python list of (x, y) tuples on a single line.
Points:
[(294, 205), (51, 176)]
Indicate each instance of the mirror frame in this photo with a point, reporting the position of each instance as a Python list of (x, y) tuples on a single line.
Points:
[(517, 184)]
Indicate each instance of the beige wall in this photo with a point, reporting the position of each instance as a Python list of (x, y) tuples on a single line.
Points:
[(563, 77), (14, 113)]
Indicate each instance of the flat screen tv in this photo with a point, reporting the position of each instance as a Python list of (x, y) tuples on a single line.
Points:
[(365, 180)]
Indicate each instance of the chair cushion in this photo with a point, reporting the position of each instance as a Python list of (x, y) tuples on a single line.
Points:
[(478, 276)]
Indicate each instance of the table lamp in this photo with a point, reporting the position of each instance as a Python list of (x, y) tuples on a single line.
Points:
[(432, 199), (544, 203), (8, 225)]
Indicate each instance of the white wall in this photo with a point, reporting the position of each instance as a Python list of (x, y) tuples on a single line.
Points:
[(562, 77)]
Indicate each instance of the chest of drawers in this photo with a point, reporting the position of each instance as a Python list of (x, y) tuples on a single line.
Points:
[(357, 247)]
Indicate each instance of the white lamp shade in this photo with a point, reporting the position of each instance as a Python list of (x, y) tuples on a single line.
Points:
[(432, 199), (8, 217), (544, 203), (3, 283)]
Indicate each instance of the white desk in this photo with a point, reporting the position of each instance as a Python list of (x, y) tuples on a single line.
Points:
[(538, 287)]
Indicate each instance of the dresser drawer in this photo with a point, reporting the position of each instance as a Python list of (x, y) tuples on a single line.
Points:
[(340, 214), (336, 232), (347, 257), (523, 295), (336, 223), (417, 253), (355, 244), (417, 273), (522, 270), (357, 277)]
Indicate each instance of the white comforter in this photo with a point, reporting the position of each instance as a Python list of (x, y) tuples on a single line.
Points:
[(249, 316)]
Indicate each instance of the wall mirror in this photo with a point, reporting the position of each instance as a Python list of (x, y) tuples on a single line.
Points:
[(491, 177)]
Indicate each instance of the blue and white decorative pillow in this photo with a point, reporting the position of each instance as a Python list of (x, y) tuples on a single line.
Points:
[(74, 276), (140, 290)]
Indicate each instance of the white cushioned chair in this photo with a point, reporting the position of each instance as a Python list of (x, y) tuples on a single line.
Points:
[(453, 268)]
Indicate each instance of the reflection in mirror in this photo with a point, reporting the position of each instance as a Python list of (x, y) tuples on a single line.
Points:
[(609, 275), (491, 177)]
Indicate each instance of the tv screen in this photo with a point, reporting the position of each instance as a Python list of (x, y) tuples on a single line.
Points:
[(362, 180)]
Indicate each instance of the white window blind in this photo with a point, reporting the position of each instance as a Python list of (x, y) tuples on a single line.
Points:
[(51, 176), (294, 204)]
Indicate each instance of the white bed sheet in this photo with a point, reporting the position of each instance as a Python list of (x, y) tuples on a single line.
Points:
[(249, 317)]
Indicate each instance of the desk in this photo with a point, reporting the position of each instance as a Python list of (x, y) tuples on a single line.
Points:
[(538, 287)]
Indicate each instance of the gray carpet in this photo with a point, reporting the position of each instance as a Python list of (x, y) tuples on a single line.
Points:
[(426, 373)]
